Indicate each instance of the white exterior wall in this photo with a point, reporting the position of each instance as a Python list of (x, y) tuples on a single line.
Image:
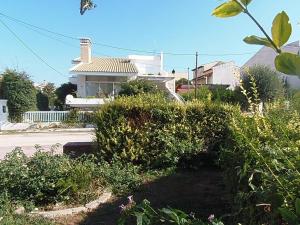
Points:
[(171, 85), (226, 74), (81, 83), (147, 64), (3, 111)]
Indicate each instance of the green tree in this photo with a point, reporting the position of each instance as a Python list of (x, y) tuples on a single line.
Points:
[(61, 93), (1, 87), (136, 87), (42, 101), (49, 91), (182, 81), (267, 81), (18, 89)]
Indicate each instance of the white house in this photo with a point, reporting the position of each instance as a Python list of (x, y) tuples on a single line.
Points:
[(3, 111), (266, 56), (218, 73), (100, 78)]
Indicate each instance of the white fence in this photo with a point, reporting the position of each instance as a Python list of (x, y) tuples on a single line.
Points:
[(53, 116)]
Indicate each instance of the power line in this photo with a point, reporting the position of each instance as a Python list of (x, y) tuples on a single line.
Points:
[(118, 47), (73, 46), (30, 49)]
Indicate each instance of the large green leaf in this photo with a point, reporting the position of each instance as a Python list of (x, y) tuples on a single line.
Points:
[(254, 40), (281, 29), (246, 2), (288, 63), (228, 9)]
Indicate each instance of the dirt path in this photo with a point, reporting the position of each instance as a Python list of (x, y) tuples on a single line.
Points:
[(200, 192)]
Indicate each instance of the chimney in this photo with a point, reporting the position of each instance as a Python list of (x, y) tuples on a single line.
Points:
[(85, 50)]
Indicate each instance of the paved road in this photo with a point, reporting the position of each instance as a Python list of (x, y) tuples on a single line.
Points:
[(27, 141)]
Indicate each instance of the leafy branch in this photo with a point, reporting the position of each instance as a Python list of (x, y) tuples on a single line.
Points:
[(86, 5), (285, 62)]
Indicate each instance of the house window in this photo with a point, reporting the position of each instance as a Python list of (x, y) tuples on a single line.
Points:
[(92, 89), (4, 110), (102, 89)]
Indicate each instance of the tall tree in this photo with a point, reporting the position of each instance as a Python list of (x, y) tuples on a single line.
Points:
[(49, 91), (42, 101), (268, 83), (62, 92), (18, 89)]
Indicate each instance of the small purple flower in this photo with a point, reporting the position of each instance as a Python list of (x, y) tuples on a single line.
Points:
[(211, 218)]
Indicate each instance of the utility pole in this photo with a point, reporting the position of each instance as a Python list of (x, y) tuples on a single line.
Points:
[(188, 78), (196, 77)]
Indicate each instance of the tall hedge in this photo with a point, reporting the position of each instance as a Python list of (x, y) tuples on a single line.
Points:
[(154, 132), (18, 89)]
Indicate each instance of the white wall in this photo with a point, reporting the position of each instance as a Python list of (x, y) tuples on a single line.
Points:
[(226, 74), (147, 64), (81, 93), (3, 115)]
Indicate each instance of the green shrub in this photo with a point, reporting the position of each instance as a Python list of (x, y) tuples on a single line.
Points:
[(261, 164), (151, 131), (137, 87), (121, 178), (268, 82), (209, 122), (223, 95), (146, 130), (46, 178), (203, 94)]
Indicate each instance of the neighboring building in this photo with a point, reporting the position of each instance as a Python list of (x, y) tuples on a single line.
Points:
[(184, 88), (180, 75), (3, 111), (101, 77), (266, 56), (40, 86), (217, 73)]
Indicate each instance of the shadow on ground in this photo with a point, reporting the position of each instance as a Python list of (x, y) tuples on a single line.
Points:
[(201, 192)]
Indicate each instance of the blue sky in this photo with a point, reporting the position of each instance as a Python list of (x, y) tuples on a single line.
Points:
[(153, 25)]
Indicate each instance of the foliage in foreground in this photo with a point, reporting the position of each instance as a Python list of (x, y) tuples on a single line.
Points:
[(151, 131), (261, 165), (47, 178), (8, 217), (285, 62), (144, 214)]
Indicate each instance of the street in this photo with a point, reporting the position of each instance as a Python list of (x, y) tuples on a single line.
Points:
[(28, 141)]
